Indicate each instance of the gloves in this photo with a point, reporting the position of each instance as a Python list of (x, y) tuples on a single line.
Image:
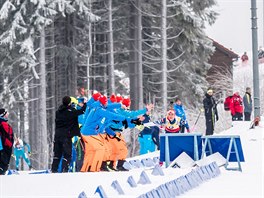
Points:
[(125, 124), (182, 122), (117, 137), (96, 96), (136, 121)]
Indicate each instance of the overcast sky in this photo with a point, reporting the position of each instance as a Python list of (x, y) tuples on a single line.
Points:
[(233, 26)]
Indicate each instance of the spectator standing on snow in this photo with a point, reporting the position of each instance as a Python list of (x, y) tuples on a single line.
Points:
[(244, 57), (6, 141), (67, 126), (210, 110), (247, 101), (236, 107)]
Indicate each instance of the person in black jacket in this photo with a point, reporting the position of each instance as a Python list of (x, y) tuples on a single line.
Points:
[(210, 110), (67, 126), (7, 140)]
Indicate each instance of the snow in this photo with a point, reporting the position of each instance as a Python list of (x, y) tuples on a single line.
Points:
[(248, 183)]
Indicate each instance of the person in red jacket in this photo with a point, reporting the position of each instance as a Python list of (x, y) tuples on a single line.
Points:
[(7, 140), (236, 107)]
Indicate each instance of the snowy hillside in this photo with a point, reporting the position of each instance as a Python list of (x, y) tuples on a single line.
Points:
[(248, 183)]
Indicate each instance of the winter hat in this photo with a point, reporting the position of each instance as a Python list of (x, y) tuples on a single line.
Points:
[(113, 98), (170, 112), (3, 112), (96, 95), (126, 101), (66, 100), (209, 90), (103, 100), (177, 99), (119, 98)]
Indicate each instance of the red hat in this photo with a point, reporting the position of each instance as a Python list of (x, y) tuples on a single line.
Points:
[(113, 98), (119, 98), (96, 95), (126, 101), (103, 100), (171, 112)]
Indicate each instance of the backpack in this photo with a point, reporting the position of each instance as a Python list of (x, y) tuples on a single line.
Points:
[(6, 134), (227, 103)]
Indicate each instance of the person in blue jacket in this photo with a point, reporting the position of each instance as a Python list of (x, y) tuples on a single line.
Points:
[(20, 152), (92, 129), (179, 109)]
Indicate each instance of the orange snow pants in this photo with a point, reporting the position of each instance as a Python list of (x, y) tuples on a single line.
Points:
[(119, 148), (94, 153)]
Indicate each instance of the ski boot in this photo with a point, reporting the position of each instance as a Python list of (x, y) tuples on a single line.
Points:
[(120, 164)]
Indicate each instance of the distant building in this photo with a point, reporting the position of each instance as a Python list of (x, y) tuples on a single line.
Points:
[(220, 75)]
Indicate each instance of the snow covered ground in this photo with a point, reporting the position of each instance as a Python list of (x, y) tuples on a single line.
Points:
[(245, 184)]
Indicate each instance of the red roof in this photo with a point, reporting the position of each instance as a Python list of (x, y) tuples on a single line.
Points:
[(225, 50)]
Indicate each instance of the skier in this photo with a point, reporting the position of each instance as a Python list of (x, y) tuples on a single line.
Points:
[(148, 137), (66, 127), (171, 121), (179, 109), (247, 101), (7, 140), (210, 111), (19, 152)]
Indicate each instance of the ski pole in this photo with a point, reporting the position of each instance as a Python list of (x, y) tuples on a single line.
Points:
[(197, 120)]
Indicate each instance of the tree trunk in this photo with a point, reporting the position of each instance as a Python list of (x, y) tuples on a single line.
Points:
[(138, 41), (42, 104), (111, 50), (164, 55), (133, 69)]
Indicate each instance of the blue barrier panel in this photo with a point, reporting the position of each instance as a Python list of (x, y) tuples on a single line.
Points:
[(221, 144), (117, 187), (228, 146), (131, 182), (144, 179), (100, 191), (177, 143), (147, 162), (157, 170), (82, 195)]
